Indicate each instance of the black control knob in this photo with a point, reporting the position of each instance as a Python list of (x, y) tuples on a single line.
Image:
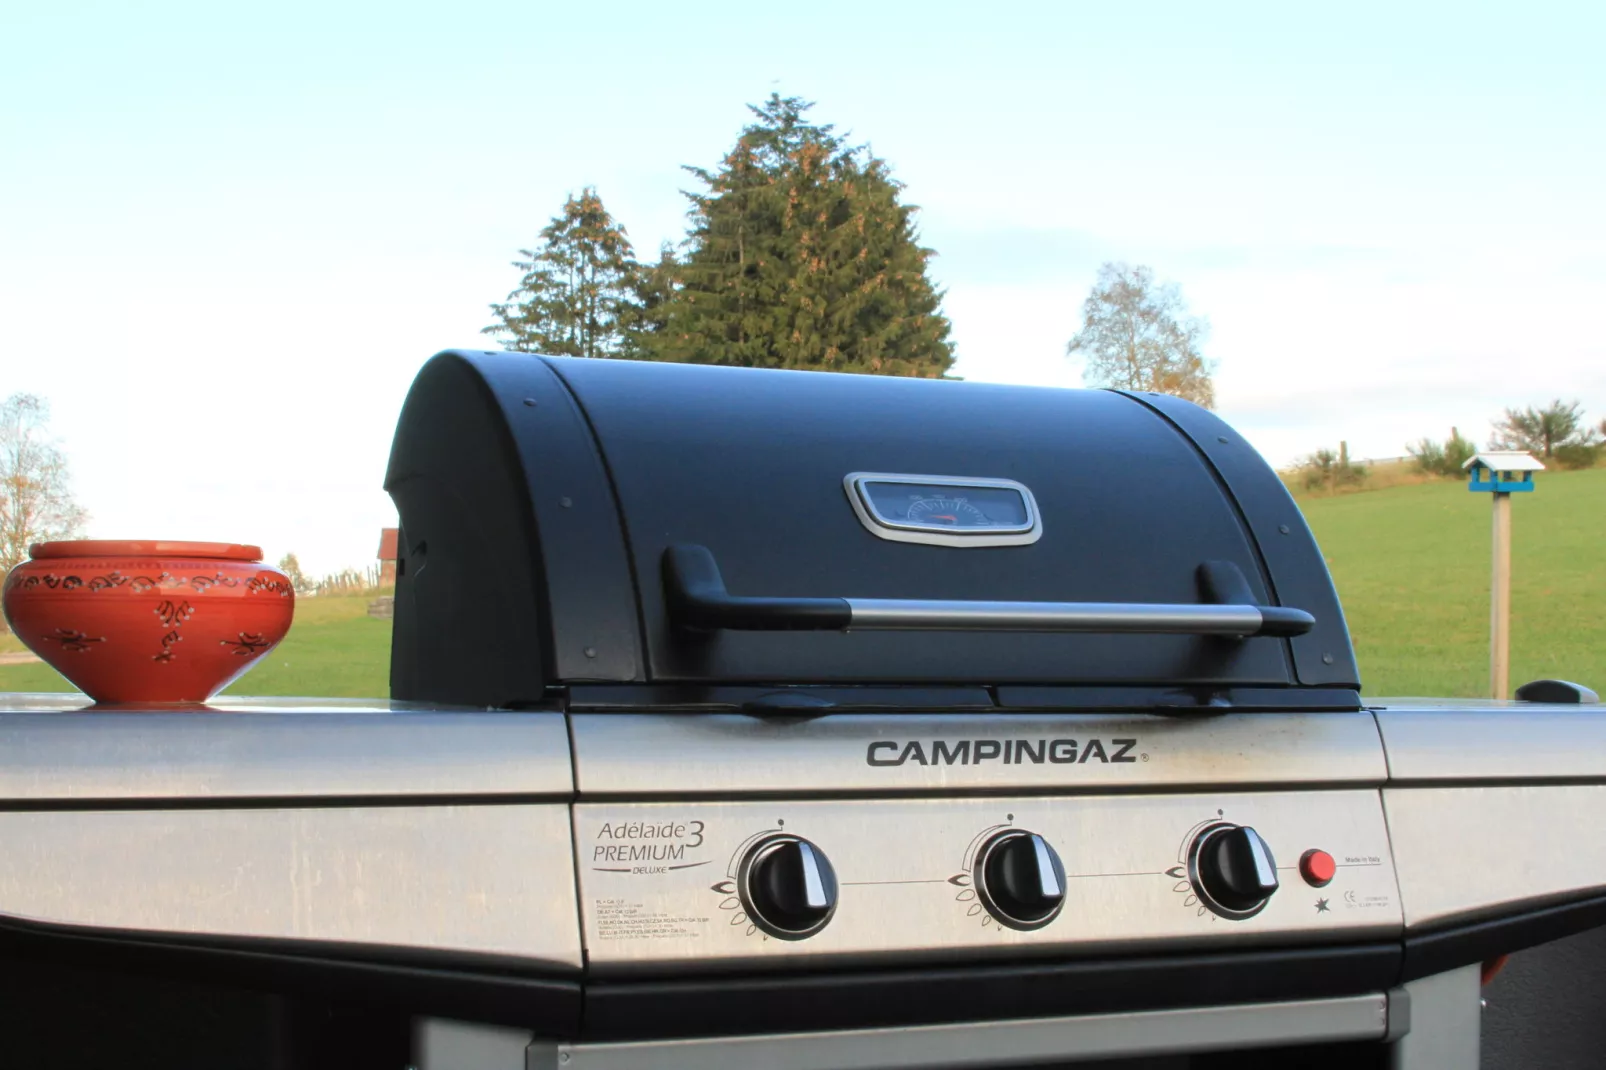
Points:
[(788, 887), (1232, 870), (1020, 879)]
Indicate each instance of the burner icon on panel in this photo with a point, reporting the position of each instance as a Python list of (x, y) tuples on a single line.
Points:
[(965, 879), (729, 889), (732, 903), (1178, 873), (966, 895)]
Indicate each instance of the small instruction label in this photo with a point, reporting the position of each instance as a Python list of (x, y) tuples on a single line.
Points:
[(625, 919)]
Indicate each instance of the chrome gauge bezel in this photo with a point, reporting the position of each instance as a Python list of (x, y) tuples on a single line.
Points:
[(864, 508)]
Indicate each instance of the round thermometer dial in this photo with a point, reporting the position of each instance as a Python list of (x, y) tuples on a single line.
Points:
[(947, 512)]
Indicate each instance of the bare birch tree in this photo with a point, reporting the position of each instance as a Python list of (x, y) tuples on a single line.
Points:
[(1137, 335), (36, 502)]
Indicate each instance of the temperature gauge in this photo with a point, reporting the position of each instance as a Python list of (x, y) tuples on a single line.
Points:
[(944, 510)]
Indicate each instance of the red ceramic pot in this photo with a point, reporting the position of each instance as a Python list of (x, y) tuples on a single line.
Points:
[(148, 621)]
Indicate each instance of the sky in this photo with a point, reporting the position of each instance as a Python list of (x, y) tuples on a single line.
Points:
[(230, 234)]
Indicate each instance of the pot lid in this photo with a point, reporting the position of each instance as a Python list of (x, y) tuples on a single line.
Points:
[(223, 551)]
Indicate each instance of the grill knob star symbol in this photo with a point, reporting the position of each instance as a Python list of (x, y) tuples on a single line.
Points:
[(1321, 906)]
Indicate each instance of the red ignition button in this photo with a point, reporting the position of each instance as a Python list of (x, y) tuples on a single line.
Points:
[(1317, 867)]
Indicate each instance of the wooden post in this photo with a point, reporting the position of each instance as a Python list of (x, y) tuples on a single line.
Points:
[(1500, 600)]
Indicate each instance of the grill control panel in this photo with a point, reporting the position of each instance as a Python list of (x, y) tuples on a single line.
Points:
[(738, 884)]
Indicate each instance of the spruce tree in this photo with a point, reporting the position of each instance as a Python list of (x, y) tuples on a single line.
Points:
[(654, 288), (801, 255), (577, 296)]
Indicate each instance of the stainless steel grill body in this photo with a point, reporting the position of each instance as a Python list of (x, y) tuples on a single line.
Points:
[(612, 856), (774, 719)]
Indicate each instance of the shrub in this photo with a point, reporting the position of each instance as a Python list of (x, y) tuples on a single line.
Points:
[(1577, 455), (1457, 452), (1428, 455), (1324, 468), (1443, 459)]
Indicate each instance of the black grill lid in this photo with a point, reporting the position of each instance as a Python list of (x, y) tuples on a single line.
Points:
[(568, 521)]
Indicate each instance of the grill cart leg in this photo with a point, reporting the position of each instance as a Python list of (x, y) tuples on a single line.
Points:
[(444, 1044), (1446, 1019)]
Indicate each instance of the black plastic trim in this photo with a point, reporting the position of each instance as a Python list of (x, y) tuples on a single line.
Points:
[(421, 983), (494, 465), (892, 698), (1224, 584), (702, 698), (556, 367), (483, 989), (1461, 945), (872, 999), (1557, 691), (1296, 572), (1179, 699), (696, 596), (595, 627)]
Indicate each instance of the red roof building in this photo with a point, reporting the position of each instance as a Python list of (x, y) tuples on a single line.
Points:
[(387, 556)]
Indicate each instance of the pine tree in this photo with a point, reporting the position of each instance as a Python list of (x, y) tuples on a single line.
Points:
[(802, 256), (578, 291)]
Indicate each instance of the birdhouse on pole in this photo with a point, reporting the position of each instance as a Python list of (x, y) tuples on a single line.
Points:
[(1501, 473)]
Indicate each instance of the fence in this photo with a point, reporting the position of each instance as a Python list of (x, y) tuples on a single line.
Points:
[(350, 581)]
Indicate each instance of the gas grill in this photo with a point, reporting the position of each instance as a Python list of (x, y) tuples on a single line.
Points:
[(752, 718)]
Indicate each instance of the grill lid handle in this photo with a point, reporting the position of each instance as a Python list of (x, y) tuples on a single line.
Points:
[(698, 599)]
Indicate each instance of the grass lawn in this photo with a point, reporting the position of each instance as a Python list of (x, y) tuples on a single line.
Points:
[(1411, 564), (334, 648), (1412, 568)]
